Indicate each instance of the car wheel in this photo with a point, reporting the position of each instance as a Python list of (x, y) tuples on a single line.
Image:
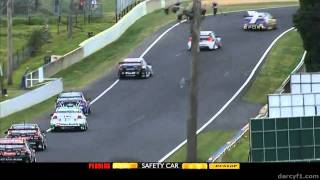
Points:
[(28, 160), (43, 146)]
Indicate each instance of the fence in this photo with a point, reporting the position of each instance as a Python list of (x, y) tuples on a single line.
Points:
[(97, 42), (31, 98), (124, 6), (21, 55), (108, 36)]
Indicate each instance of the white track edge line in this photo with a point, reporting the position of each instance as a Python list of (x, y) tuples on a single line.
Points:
[(232, 98)]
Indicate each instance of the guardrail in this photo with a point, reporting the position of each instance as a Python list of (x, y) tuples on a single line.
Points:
[(31, 98), (217, 155)]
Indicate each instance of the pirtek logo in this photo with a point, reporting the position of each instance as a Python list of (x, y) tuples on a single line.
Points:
[(99, 166)]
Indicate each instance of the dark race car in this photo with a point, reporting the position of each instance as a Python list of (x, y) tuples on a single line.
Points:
[(134, 67), (74, 99), (16, 150), (29, 132)]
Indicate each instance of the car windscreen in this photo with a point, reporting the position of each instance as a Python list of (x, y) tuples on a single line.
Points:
[(68, 111), (130, 63), (70, 103), (204, 38), (69, 97)]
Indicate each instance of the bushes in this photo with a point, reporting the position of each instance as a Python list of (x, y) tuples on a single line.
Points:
[(307, 22), (37, 39)]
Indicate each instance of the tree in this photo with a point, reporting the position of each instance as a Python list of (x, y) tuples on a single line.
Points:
[(9, 42), (193, 91), (70, 21), (307, 21)]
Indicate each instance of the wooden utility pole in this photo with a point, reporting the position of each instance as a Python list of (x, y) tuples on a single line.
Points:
[(70, 23), (193, 91), (9, 42)]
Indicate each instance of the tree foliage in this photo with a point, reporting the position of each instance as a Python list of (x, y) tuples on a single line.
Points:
[(307, 21)]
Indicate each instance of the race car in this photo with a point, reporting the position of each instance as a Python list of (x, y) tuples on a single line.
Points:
[(68, 117), (74, 98), (208, 40), (16, 150), (259, 21), (31, 133), (134, 67)]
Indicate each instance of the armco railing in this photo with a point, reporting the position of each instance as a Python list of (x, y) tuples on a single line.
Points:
[(95, 43), (31, 98), (217, 155)]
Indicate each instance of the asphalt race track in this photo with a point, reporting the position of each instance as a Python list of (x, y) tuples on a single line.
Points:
[(142, 120)]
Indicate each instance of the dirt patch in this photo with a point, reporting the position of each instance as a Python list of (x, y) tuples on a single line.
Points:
[(229, 2)]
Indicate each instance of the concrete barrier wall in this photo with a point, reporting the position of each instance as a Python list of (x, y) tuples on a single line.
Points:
[(31, 98), (64, 62), (113, 33), (154, 5)]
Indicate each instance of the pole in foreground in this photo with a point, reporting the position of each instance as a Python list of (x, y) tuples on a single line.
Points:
[(193, 91)]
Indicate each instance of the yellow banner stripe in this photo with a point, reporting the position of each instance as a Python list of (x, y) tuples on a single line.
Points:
[(124, 165), (194, 166)]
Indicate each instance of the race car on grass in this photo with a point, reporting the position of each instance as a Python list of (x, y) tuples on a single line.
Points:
[(134, 67), (29, 132), (208, 40), (74, 98), (259, 21), (16, 150), (68, 118)]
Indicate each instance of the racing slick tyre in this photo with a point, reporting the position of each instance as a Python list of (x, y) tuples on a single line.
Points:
[(42, 147), (85, 128)]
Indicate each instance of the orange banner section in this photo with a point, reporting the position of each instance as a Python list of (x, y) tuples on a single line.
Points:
[(194, 166)]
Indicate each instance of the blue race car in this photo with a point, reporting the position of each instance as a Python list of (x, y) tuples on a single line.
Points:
[(259, 21)]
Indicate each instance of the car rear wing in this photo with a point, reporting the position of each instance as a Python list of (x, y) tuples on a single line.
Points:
[(23, 129)]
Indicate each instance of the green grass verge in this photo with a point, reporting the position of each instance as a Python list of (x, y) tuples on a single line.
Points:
[(240, 152), (208, 142), (26, 115), (284, 57)]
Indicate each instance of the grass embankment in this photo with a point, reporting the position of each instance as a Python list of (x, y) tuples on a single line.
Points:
[(58, 44), (240, 153), (283, 58), (208, 142)]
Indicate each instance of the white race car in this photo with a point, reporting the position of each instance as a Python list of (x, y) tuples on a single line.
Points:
[(66, 118), (208, 39)]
